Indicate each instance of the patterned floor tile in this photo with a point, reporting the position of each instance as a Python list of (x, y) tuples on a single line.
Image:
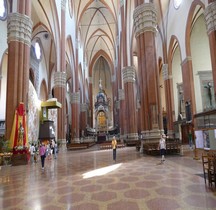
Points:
[(90, 180)]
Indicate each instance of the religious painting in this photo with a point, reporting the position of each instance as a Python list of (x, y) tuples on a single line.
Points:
[(101, 118)]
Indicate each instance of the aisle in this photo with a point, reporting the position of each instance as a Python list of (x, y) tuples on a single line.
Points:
[(89, 179)]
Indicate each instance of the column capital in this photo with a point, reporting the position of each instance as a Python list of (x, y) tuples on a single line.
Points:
[(121, 94), (188, 58), (90, 80), (60, 79), (63, 4), (129, 74), (75, 98), (117, 104), (19, 28), (113, 78), (165, 72), (210, 17), (83, 107), (117, 40), (145, 18), (122, 3)]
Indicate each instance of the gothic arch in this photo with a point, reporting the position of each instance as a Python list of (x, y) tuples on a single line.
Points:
[(189, 25), (32, 76), (43, 95)]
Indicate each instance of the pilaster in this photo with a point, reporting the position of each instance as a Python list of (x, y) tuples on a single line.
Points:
[(210, 18)]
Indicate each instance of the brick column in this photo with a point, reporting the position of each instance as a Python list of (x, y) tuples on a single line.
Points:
[(75, 107), (145, 22), (121, 105), (91, 105), (131, 115), (210, 18), (19, 42), (59, 93), (188, 84), (123, 61), (60, 81), (83, 116), (168, 94)]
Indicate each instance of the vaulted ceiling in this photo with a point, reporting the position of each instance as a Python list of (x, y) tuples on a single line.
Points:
[(98, 24)]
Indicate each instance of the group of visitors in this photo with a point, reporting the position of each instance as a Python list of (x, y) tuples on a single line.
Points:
[(49, 149), (162, 147), (45, 150)]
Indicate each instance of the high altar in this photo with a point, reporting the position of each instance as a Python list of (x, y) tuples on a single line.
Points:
[(102, 109)]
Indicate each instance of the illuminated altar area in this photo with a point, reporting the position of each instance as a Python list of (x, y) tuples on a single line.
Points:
[(102, 109)]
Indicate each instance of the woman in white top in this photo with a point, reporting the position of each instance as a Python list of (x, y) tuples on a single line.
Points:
[(162, 146), (32, 152)]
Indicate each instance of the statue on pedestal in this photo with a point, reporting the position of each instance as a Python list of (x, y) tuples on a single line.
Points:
[(20, 135)]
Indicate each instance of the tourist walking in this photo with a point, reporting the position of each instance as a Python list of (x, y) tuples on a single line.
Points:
[(42, 152), (162, 147), (114, 146), (32, 152)]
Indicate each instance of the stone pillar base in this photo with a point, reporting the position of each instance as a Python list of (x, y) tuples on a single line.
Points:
[(123, 137), (151, 136), (76, 140), (170, 134), (62, 143), (131, 138)]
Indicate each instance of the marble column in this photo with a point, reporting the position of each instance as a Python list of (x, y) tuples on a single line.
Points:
[(19, 41)]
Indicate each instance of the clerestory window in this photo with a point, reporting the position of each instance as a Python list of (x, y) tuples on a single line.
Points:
[(37, 50), (177, 3)]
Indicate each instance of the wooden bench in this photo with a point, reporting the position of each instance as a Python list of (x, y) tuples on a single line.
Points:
[(131, 142), (108, 145), (5, 158), (153, 149), (74, 146)]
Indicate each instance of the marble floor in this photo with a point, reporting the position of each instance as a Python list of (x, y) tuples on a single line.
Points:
[(90, 180)]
